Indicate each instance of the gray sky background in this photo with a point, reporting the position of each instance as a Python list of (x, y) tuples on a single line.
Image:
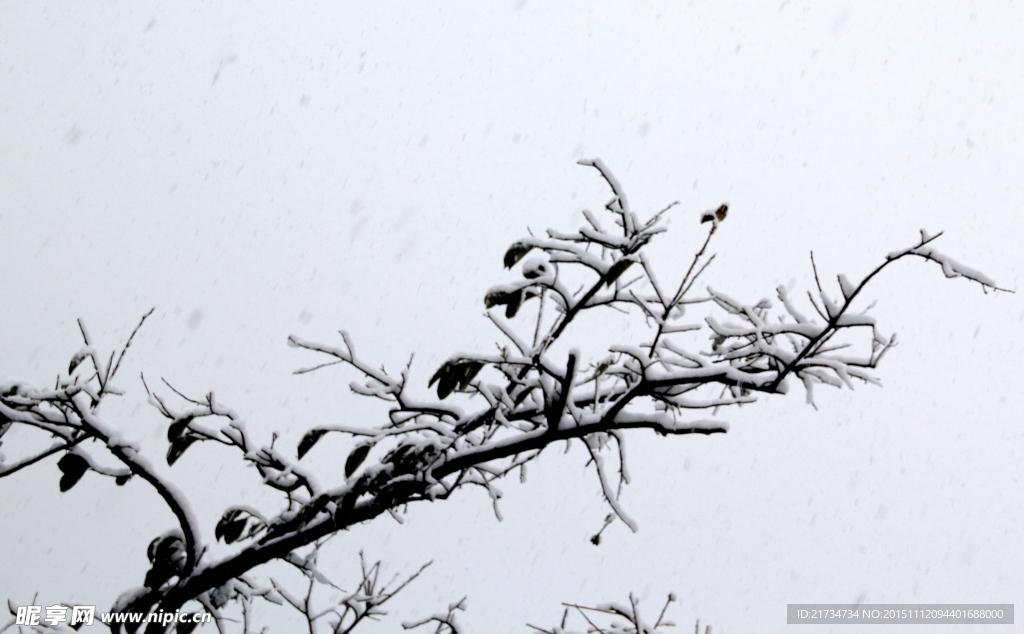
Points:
[(261, 169)]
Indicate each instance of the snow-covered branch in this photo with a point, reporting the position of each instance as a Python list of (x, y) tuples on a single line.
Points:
[(494, 412)]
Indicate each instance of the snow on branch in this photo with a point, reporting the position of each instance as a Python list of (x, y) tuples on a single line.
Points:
[(528, 400), (489, 414), (613, 618), (950, 267)]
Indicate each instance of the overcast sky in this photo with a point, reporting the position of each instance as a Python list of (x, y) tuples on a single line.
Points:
[(255, 170)]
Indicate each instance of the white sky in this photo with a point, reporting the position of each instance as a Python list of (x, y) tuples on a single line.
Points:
[(255, 170)]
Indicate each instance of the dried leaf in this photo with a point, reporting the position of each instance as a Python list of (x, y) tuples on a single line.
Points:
[(497, 298), (616, 270), (167, 554), (178, 447), (75, 360), (355, 459), (177, 428), (454, 374), (73, 467), (310, 439), (234, 530), (516, 253), (535, 268), (719, 214), (515, 301), (226, 520)]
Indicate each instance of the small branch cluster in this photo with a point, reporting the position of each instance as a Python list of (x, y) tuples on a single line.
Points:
[(613, 618), (444, 623), (346, 612)]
